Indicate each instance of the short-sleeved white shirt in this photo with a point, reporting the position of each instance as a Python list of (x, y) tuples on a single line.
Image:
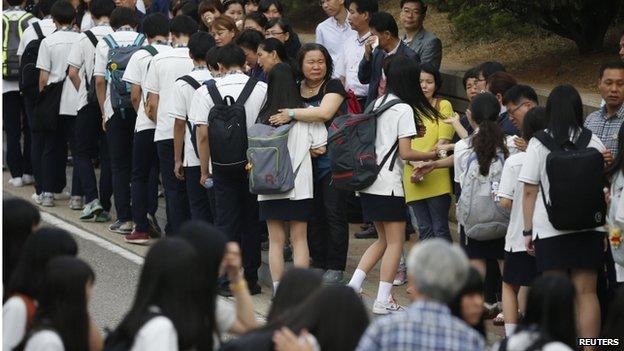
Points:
[(53, 54), (45, 340), (512, 189), (333, 36), (123, 38), (534, 172), (348, 64), (229, 85), (47, 27), (10, 85), (395, 123), (82, 56), (136, 73), (14, 319), (301, 138), (87, 22), (182, 99), (158, 334), (166, 67)]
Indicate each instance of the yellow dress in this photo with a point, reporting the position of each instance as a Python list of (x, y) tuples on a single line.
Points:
[(438, 182)]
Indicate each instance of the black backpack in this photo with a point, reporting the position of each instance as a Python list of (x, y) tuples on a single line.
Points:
[(228, 128), (29, 76), (90, 84), (351, 148), (191, 128), (576, 176)]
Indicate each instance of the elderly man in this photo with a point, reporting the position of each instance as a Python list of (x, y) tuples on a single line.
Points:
[(437, 271)]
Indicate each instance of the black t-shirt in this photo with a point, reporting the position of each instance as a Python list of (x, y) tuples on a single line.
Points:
[(331, 86)]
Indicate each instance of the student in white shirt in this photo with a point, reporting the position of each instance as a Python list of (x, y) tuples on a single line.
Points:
[(334, 32), (26, 284), (168, 313), (47, 26), (294, 207), (63, 321), (88, 131), (165, 68), (520, 269), (19, 163), (347, 66), (119, 127), (185, 154), (236, 208), (384, 202), (52, 64), (615, 219), (555, 248), (144, 191)]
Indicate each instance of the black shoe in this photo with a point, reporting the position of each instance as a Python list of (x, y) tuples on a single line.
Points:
[(370, 233), (255, 289)]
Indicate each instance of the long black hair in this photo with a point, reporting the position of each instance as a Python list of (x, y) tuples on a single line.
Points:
[(20, 217), (209, 243), (565, 113), (295, 286), (618, 164), (490, 140), (403, 80), (550, 308), (474, 285), (534, 121), (39, 249), (329, 63), (169, 280), (63, 302), (271, 44), (282, 92)]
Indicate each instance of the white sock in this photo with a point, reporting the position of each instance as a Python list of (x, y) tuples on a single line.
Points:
[(510, 328), (275, 286), (356, 280), (383, 293)]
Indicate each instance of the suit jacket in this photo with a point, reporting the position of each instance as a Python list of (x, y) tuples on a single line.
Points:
[(428, 47), (369, 71)]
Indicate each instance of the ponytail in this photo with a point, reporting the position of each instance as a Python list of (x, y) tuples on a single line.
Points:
[(486, 144)]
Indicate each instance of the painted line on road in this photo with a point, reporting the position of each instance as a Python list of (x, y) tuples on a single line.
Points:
[(83, 234)]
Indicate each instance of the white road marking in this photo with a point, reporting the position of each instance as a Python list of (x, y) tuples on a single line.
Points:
[(83, 234)]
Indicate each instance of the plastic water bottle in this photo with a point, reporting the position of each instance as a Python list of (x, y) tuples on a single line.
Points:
[(208, 183)]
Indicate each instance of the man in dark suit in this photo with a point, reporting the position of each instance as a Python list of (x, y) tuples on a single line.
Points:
[(385, 34), (423, 42)]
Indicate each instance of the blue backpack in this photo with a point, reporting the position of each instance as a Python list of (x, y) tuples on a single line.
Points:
[(118, 58)]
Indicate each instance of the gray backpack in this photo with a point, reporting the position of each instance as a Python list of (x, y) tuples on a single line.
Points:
[(270, 168), (477, 210), (118, 57)]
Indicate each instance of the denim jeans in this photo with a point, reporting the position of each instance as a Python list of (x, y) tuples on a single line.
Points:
[(431, 217)]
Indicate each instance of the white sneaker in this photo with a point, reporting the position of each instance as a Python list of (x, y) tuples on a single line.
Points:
[(390, 306), (47, 200), (76, 203), (37, 198), (62, 196), (27, 179), (16, 182)]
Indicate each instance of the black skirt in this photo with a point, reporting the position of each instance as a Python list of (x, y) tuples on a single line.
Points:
[(285, 210), (520, 269), (383, 208), (581, 250), (482, 250)]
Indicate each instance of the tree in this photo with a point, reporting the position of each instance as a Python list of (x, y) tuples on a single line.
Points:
[(583, 21)]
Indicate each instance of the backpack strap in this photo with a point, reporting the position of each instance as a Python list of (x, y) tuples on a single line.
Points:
[(138, 41), (547, 140), (38, 31), (111, 42), (583, 140), (247, 90), (370, 106), (91, 37), (152, 50), (394, 151), (211, 85), (23, 22), (190, 81)]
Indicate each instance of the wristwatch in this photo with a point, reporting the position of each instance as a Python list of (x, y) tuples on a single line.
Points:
[(291, 114), (527, 232)]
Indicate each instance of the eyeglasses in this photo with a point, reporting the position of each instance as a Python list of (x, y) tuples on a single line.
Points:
[(273, 33), (513, 112), (410, 12)]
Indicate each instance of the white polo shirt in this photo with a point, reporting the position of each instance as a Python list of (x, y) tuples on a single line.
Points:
[(182, 99), (123, 38), (512, 189), (394, 124), (47, 27), (534, 172), (53, 54), (136, 73), (232, 85), (16, 12), (165, 68), (333, 36), (82, 56), (349, 62)]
